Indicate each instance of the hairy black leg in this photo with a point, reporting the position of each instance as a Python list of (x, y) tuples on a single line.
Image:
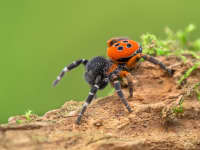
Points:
[(90, 97), (68, 68), (127, 82), (157, 62), (117, 87), (129, 79), (130, 84), (95, 96)]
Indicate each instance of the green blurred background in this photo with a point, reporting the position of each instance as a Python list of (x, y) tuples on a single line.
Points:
[(39, 37)]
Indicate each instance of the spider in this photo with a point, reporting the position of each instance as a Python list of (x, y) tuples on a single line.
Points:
[(99, 71), (126, 53)]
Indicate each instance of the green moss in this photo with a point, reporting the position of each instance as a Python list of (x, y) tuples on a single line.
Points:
[(176, 43)]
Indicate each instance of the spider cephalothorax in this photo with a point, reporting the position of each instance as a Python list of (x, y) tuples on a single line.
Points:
[(98, 73)]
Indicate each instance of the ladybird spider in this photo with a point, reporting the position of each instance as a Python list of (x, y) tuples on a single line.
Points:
[(126, 53), (99, 71)]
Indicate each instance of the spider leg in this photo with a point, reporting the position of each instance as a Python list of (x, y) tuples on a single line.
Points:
[(117, 87), (133, 61), (95, 96), (129, 78), (130, 84), (68, 68), (90, 97), (157, 62)]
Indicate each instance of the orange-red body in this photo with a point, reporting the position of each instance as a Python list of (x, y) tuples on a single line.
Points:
[(124, 51)]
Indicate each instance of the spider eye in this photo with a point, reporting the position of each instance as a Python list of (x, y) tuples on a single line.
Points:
[(128, 45), (120, 48), (139, 50), (125, 41), (116, 45)]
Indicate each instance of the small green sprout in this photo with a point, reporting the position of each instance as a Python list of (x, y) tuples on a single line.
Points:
[(18, 121), (179, 108), (28, 115), (196, 45), (182, 35), (190, 28), (183, 58), (198, 95), (188, 72), (162, 52), (170, 34)]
